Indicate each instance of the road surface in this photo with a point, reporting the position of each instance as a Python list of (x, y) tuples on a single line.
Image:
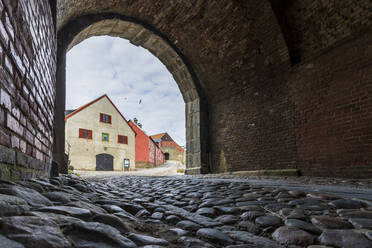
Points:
[(167, 169)]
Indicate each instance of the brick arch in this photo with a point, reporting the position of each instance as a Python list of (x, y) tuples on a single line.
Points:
[(139, 34), (234, 51), (143, 35)]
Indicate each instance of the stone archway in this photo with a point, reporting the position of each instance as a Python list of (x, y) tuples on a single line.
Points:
[(233, 51), (143, 35)]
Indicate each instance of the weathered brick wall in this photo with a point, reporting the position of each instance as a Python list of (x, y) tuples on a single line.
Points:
[(254, 130), (311, 27), (333, 99), (317, 118), (27, 87)]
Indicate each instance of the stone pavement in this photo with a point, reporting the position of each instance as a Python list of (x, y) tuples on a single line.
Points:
[(182, 211), (168, 169)]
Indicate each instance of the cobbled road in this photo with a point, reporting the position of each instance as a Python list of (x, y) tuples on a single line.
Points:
[(167, 169), (178, 211)]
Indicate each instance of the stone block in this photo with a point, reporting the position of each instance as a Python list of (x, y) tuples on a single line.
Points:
[(22, 159), (5, 100), (7, 155)]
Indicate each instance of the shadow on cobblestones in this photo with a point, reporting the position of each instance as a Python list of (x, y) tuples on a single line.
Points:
[(180, 211)]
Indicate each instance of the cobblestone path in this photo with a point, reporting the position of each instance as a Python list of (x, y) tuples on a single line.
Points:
[(167, 169), (130, 211)]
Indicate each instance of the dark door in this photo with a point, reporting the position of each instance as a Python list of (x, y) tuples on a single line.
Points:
[(104, 162), (166, 156)]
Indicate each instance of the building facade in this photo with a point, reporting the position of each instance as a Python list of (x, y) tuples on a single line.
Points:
[(148, 153), (98, 137), (171, 150)]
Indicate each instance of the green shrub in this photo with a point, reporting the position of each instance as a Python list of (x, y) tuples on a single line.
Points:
[(72, 172)]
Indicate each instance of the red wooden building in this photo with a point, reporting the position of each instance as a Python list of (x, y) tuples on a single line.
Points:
[(147, 152)]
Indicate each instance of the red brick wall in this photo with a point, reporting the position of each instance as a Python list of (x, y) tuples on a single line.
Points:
[(314, 116), (333, 99), (27, 81), (254, 130), (317, 118)]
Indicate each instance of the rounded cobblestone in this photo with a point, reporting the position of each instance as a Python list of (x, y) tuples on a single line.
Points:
[(127, 210)]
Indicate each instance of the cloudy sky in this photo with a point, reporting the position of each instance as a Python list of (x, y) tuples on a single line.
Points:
[(135, 80)]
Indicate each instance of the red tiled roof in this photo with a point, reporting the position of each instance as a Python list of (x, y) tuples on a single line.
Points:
[(172, 144), (167, 142), (157, 136), (94, 101)]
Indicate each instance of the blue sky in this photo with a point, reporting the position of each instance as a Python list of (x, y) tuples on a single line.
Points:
[(135, 80)]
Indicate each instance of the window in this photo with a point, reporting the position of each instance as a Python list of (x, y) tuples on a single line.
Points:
[(105, 137), (85, 133), (122, 139), (105, 118)]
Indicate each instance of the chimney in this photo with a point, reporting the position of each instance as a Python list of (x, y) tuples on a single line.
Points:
[(135, 120)]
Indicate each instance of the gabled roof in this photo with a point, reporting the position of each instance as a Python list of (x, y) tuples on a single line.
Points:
[(94, 101), (157, 136), (69, 111), (134, 124), (130, 121), (167, 141), (162, 137)]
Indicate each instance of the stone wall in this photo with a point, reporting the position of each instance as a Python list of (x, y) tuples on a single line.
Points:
[(27, 87), (175, 153)]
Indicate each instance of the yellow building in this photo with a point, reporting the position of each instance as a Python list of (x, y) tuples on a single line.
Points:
[(98, 137)]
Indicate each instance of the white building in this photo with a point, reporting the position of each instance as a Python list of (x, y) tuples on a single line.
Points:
[(98, 137)]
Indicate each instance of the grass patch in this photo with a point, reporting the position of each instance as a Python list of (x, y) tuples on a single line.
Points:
[(72, 172)]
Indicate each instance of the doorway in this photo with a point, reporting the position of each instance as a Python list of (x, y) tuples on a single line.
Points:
[(104, 162), (166, 156)]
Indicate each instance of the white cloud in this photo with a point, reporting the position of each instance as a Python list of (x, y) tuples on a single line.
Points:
[(127, 74)]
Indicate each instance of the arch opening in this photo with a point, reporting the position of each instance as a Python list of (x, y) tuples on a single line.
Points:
[(145, 36)]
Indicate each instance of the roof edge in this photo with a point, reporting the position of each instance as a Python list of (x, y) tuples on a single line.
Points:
[(94, 101)]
